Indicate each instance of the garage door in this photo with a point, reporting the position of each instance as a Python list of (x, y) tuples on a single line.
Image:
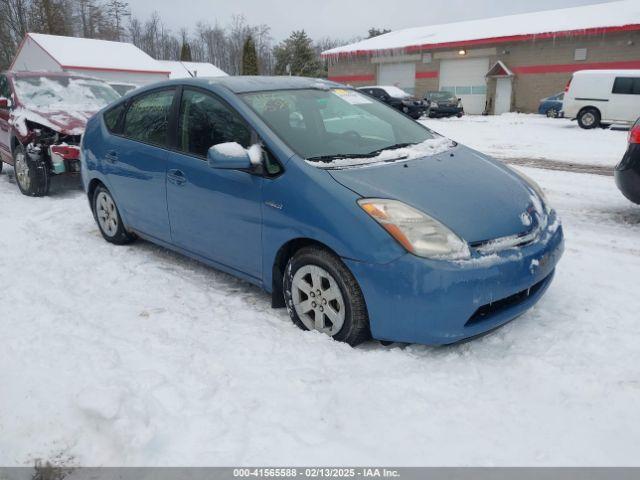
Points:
[(466, 79), (402, 75)]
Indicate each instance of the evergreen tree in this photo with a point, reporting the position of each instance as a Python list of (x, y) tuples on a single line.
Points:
[(249, 57), (376, 32), (297, 56), (185, 53)]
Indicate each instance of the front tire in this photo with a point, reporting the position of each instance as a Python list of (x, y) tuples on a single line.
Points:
[(322, 294), (32, 174), (108, 218), (589, 118), (552, 113)]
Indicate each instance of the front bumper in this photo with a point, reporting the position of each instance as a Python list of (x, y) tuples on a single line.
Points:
[(627, 174), (417, 300)]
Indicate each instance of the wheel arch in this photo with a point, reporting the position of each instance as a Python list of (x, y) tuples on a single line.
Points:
[(589, 107), (91, 188), (285, 252)]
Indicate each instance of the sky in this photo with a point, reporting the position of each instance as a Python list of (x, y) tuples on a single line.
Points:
[(340, 19)]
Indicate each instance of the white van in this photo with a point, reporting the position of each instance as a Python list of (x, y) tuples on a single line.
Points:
[(603, 97)]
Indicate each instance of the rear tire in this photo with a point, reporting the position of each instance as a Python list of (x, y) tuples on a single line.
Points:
[(108, 218), (552, 113), (31, 171), (322, 294), (589, 118)]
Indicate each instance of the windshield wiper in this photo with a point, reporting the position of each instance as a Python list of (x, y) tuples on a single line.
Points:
[(397, 146), (337, 156)]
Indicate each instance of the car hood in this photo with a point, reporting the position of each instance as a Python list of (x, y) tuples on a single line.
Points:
[(67, 122), (477, 197)]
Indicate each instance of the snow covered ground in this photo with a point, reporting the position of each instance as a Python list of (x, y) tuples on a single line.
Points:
[(517, 135), (137, 356)]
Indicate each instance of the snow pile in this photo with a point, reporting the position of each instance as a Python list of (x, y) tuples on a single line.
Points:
[(601, 15), (432, 146), (530, 136)]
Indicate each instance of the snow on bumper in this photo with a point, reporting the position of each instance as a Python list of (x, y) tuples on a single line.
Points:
[(432, 302)]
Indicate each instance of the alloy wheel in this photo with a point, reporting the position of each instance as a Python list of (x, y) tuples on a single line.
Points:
[(22, 171), (317, 300), (107, 214)]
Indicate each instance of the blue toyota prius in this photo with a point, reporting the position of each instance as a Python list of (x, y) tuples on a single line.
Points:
[(362, 222)]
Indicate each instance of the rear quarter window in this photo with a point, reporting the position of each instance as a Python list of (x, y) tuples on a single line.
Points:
[(113, 118), (626, 86)]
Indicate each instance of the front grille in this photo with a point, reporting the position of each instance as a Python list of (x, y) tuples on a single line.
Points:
[(487, 311)]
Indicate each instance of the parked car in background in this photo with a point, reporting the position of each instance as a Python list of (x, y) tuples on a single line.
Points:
[(42, 116), (397, 98), (362, 222), (551, 106), (627, 172), (443, 104), (603, 97)]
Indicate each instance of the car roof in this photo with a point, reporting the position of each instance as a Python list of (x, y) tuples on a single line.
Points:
[(245, 84), (619, 73)]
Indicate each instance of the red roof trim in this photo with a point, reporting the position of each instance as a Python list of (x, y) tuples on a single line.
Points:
[(574, 67), (352, 78), (504, 39), (432, 74), (103, 69)]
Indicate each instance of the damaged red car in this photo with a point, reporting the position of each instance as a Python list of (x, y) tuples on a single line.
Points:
[(42, 117)]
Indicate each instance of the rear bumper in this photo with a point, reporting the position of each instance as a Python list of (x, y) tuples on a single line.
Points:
[(446, 111), (431, 302)]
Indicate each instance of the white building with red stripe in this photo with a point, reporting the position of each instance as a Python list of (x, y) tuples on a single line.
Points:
[(114, 62), (496, 64)]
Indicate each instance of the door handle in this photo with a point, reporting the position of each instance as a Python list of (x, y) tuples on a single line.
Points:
[(176, 177), (111, 157)]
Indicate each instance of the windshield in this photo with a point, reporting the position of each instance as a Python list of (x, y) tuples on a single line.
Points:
[(64, 93), (396, 92), (440, 96), (321, 125)]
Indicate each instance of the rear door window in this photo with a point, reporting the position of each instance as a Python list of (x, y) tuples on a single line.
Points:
[(147, 118)]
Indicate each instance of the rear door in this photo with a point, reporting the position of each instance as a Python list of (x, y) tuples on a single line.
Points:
[(136, 163), (5, 128), (214, 213), (625, 99)]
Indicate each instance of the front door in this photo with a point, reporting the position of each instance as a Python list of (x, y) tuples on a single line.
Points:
[(136, 164), (624, 104), (503, 95), (214, 213), (5, 127)]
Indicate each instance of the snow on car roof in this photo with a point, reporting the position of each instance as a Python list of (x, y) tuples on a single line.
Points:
[(621, 15), (72, 52), (192, 69), (622, 73)]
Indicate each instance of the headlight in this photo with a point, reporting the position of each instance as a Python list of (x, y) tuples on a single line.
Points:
[(416, 231), (433, 104), (536, 188)]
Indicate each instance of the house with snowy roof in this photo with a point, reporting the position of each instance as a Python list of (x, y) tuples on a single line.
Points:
[(499, 64), (181, 69), (118, 63)]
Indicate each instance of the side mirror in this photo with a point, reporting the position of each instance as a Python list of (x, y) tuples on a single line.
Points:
[(233, 156), (5, 102)]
